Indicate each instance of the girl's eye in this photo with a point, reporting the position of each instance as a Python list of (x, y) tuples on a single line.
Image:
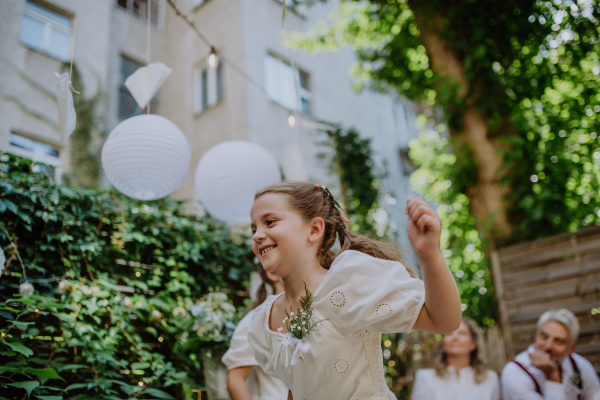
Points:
[(269, 222)]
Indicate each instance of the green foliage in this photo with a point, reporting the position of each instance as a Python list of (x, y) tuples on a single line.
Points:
[(360, 189), (115, 284), (532, 70), (443, 179)]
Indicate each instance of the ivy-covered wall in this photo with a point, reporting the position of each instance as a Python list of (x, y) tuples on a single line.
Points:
[(115, 284)]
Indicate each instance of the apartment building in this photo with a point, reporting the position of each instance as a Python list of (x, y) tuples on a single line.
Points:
[(209, 105)]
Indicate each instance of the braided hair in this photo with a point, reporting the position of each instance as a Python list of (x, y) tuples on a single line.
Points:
[(314, 201)]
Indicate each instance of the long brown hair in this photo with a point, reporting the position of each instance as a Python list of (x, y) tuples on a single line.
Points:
[(310, 202), (261, 293), (440, 362)]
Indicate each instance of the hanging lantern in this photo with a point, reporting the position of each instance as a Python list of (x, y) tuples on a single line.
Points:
[(229, 175), (146, 157), (26, 289), (145, 82)]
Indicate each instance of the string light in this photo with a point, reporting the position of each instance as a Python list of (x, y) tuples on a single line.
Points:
[(160, 339), (213, 59), (291, 120)]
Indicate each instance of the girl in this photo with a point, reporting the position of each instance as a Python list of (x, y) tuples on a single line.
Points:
[(459, 371), (359, 294), (246, 380)]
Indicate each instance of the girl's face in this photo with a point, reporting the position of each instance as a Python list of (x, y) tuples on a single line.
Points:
[(280, 234), (460, 342)]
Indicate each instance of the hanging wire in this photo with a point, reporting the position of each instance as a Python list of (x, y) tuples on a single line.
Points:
[(237, 69), (148, 37), (295, 73), (73, 47)]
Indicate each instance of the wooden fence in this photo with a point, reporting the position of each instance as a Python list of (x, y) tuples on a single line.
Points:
[(558, 272)]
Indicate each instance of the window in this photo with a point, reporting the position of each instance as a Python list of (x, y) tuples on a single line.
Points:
[(38, 152), (281, 80), (197, 3), (47, 31), (208, 87), (140, 9), (127, 105)]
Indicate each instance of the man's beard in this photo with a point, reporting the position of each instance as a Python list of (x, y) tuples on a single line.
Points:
[(554, 357)]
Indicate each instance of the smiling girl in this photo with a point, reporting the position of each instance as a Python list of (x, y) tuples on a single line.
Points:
[(359, 294)]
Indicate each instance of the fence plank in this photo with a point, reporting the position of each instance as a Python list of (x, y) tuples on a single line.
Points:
[(557, 272), (556, 251)]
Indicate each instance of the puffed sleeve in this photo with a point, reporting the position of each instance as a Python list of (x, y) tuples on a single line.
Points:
[(240, 353), (257, 335), (361, 293)]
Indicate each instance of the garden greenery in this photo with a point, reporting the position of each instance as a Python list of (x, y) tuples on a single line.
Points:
[(532, 71), (119, 291)]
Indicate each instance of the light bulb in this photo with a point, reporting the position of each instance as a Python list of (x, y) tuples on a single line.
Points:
[(213, 59), (291, 120)]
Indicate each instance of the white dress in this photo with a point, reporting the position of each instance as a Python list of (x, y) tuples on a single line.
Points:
[(360, 298), (240, 354), (429, 386)]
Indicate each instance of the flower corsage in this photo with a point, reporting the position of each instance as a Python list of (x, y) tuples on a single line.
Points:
[(300, 324)]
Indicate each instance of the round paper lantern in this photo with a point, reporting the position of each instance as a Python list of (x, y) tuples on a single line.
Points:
[(146, 157), (229, 175)]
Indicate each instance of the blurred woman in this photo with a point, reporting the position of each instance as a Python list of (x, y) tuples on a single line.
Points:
[(246, 380), (459, 371)]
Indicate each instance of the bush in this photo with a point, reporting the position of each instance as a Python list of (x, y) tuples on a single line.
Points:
[(114, 282)]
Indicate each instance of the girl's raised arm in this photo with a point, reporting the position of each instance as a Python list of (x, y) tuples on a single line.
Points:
[(441, 313)]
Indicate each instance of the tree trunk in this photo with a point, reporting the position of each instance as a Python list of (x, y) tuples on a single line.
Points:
[(486, 197)]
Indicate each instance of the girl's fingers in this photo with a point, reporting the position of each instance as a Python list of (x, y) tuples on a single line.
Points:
[(425, 222), (417, 212), (420, 207)]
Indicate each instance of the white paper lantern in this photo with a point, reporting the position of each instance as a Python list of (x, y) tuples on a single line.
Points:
[(146, 157), (229, 175)]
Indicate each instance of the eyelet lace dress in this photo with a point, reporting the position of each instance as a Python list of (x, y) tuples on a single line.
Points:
[(360, 298)]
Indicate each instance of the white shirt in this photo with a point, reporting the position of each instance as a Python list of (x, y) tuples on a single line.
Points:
[(360, 298), (240, 354), (429, 386), (517, 385)]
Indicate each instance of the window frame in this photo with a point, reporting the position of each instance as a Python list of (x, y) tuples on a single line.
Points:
[(52, 161), (202, 99), (122, 90), (48, 25), (156, 5), (304, 93)]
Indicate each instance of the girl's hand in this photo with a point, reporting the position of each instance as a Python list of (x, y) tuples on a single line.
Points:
[(424, 227)]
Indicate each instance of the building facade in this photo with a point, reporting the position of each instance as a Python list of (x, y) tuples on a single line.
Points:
[(209, 105)]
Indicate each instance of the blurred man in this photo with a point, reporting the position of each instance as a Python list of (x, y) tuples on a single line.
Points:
[(549, 369)]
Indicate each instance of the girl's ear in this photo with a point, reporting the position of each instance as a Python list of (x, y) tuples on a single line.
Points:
[(317, 230)]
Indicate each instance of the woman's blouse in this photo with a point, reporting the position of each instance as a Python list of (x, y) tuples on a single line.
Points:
[(360, 298), (240, 354), (462, 386)]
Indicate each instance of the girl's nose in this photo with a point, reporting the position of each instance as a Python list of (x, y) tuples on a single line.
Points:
[(258, 236)]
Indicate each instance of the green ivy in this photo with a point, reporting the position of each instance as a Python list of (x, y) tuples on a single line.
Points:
[(128, 272), (360, 188)]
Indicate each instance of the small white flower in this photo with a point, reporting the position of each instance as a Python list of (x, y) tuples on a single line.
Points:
[(279, 329), (291, 314), (303, 322), (283, 321)]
